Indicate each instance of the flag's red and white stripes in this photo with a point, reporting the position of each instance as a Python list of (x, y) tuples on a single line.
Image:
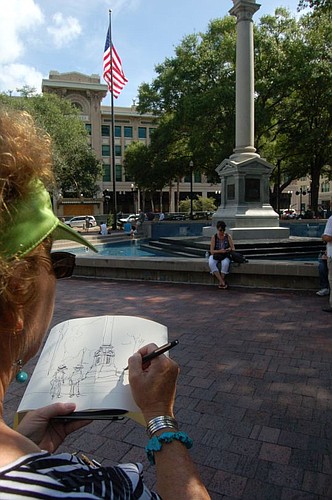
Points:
[(117, 76)]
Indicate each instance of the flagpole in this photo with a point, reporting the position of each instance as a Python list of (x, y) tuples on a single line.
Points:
[(114, 225)]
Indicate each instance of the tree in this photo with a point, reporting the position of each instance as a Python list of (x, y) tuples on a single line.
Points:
[(194, 94), (140, 167), (80, 171), (196, 91), (294, 99), (76, 166), (313, 115), (155, 166), (315, 4), (170, 151), (27, 91), (200, 204)]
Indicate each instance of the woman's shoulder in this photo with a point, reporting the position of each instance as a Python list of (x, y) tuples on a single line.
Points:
[(78, 473), (230, 240)]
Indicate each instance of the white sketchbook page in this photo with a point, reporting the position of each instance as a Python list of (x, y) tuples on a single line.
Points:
[(83, 361)]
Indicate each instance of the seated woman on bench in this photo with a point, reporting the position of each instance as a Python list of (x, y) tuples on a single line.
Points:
[(220, 246)]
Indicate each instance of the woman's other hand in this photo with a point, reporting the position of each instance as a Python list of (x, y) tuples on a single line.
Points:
[(46, 433)]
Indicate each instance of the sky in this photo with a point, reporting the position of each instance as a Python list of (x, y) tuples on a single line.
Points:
[(37, 36)]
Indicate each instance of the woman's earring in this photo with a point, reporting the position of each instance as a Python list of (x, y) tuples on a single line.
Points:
[(21, 376)]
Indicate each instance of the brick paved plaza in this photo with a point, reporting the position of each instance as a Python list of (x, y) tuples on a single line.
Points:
[(255, 389)]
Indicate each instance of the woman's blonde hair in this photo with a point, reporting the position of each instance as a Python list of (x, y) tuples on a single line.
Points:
[(25, 155)]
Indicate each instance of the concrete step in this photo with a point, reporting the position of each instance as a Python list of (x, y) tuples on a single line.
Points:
[(94, 238), (294, 247)]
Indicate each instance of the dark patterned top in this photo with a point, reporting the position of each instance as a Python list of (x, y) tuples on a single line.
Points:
[(221, 243), (45, 476)]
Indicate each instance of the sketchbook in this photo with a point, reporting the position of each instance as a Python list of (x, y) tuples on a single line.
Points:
[(84, 360)]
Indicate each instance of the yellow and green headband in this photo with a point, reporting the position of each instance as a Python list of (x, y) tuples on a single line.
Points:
[(30, 220)]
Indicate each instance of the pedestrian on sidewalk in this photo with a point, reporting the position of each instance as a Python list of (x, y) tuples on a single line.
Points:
[(323, 276), (327, 237), (87, 223)]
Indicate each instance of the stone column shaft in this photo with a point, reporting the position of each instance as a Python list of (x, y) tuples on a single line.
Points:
[(244, 123)]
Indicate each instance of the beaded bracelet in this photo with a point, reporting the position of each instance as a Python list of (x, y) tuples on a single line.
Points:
[(156, 442), (159, 423)]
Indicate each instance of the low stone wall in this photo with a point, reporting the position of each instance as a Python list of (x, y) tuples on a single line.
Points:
[(256, 274), (307, 228)]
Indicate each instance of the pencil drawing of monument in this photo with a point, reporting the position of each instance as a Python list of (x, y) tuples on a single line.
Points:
[(92, 368), (84, 359)]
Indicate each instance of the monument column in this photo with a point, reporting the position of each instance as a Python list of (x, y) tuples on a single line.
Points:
[(245, 175), (244, 131)]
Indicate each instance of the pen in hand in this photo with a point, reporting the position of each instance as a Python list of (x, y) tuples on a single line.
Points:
[(157, 352)]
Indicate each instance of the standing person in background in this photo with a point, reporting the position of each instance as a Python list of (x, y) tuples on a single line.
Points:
[(133, 231), (323, 276), (103, 229), (150, 216), (327, 237), (141, 217), (220, 246), (140, 220), (87, 223), (29, 468)]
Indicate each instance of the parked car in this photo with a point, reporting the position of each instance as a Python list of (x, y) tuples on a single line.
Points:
[(203, 214), (80, 221), (176, 216), (288, 213), (308, 214), (131, 218)]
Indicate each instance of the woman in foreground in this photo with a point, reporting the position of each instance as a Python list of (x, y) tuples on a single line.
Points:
[(29, 468)]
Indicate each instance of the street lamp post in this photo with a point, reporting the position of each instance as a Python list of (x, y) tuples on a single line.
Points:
[(191, 165), (301, 192), (290, 193), (218, 197), (107, 200), (132, 187), (59, 198)]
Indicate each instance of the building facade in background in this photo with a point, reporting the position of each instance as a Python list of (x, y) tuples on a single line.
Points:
[(87, 93)]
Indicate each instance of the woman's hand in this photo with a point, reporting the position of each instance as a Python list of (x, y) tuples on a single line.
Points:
[(153, 385), (48, 434)]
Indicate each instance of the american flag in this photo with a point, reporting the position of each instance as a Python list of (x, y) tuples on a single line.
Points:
[(116, 77)]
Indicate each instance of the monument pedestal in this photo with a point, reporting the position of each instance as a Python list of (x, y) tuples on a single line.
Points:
[(245, 203)]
